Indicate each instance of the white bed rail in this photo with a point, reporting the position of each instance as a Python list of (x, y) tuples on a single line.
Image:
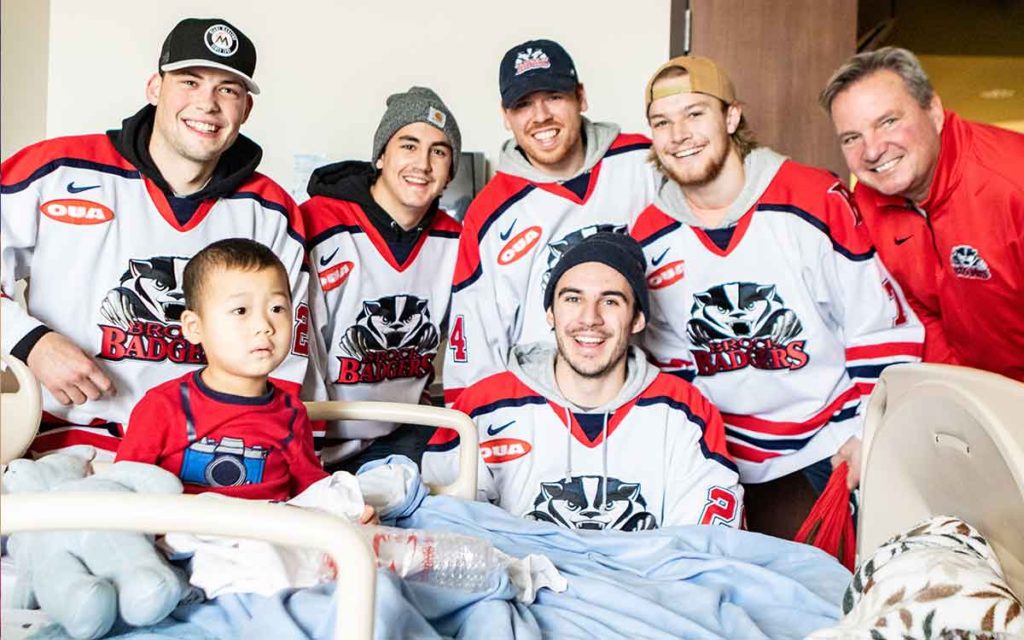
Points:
[(942, 440), (20, 410), (416, 414), (276, 523)]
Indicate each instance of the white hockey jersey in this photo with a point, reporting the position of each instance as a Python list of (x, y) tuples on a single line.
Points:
[(653, 457), (788, 326), (514, 232), (378, 323), (104, 254)]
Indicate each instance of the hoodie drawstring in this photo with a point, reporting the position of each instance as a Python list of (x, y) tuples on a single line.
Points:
[(568, 446), (664, 466), (604, 460)]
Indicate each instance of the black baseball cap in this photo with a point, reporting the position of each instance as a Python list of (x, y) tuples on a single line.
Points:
[(212, 43), (535, 65), (616, 250)]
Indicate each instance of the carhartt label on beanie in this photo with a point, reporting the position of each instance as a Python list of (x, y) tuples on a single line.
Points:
[(418, 104)]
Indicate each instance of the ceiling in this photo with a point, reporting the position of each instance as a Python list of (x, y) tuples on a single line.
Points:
[(973, 51), (983, 88)]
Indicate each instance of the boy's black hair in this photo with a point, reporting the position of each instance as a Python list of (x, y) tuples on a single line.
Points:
[(232, 253)]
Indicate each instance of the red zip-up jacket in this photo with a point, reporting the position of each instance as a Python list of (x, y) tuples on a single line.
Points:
[(959, 254)]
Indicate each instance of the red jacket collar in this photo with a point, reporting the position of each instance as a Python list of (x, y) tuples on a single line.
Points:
[(949, 166)]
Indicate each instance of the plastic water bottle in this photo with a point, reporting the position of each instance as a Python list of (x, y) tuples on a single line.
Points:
[(443, 559)]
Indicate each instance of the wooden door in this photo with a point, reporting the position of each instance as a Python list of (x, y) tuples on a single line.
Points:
[(779, 55)]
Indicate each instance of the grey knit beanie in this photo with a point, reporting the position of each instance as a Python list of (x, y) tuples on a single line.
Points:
[(418, 104)]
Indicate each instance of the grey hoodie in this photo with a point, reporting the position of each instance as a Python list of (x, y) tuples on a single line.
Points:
[(597, 138), (534, 364), (760, 167)]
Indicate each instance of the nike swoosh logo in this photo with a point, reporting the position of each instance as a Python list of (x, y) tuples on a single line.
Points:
[(493, 431), (73, 189), (507, 232), (656, 261), (900, 241), (326, 260)]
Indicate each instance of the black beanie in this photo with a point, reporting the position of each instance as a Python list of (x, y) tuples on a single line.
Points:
[(618, 251)]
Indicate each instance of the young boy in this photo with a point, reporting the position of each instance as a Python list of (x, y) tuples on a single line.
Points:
[(227, 428)]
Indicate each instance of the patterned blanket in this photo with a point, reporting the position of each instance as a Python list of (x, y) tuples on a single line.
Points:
[(940, 579)]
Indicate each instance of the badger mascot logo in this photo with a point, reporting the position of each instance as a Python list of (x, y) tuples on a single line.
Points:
[(144, 311), (556, 248), (150, 290), (392, 337), (593, 503), (968, 263), (740, 324)]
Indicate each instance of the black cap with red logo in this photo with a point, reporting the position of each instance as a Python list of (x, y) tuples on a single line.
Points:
[(536, 65), (212, 43)]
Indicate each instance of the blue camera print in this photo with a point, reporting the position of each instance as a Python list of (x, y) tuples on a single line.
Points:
[(228, 463)]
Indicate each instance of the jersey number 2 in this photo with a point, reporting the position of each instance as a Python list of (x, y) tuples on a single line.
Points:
[(300, 345), (457, 341), (720, 507)]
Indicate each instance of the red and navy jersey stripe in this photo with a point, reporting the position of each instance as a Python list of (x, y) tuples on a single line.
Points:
[(93, 152), (494, 392), (327, 217), (500, 194)]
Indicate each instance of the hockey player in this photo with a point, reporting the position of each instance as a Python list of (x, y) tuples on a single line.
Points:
[(385, 255), (587, 434), (764, 284), (944, 201), (561, 178), (103, 225)]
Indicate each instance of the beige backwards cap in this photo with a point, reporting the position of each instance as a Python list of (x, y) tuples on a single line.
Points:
[(702, 76)]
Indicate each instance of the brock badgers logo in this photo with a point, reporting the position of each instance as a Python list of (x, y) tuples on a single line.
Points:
[(392, 322), (150, 291), (968, 263), (740, 324), (583, 502), (144, 314), (557, 248), (393, 337)]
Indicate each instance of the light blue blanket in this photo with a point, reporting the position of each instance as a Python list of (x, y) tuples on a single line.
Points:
[(679, 582)]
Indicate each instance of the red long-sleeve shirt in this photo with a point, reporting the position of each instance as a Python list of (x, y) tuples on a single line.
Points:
[(257, 448)]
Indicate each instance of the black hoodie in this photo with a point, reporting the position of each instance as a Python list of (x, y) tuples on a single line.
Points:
[(132, 141), (351, 181), (235, 166)]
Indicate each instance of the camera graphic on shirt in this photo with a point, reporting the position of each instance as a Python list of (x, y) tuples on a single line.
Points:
[(228, 463)]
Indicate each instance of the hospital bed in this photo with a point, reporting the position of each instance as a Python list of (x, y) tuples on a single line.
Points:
[(942, 440), (938, 440), (20, 411)]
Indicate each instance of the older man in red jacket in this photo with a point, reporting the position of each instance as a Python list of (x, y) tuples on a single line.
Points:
[(943, 199)]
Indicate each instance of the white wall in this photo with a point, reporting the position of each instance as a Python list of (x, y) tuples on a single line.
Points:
[(23, 56), (325, 68)]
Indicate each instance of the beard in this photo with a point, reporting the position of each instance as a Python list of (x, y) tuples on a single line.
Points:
[(552, 159), (590, 369), (699, 176)]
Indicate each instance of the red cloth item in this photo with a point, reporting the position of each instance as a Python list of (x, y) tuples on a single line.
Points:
[(829, 525)]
